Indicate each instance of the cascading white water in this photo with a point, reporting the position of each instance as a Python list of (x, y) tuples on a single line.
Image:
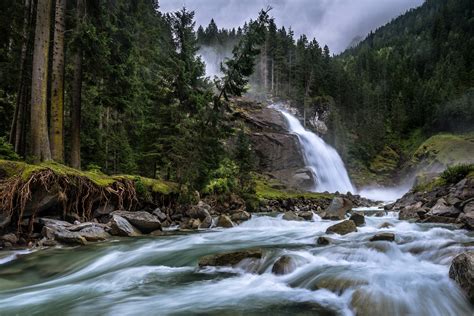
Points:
[(323, 160)]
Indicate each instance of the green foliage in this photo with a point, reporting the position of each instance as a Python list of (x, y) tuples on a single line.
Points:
[(456, 173), (244, 157), (224, 179), (6, 150), (142, 190)]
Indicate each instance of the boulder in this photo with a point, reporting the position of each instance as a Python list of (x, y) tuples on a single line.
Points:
[(337, 209), (230, 258), (439, 220), (94, 233), (342, 228), (201, 211), (241, 216), (67, 237), (143, 221), (51, 222), (306, 215), (323, 241), (224, 221), (443, 209), (383, 237), (385, 225), (412, 212), (358, 218), (11, 238), (206, 223), (121, 227), (160, 215), (194, 223), (462, 272), (466, 220), (284, 265), (468, 206), (291, 216)]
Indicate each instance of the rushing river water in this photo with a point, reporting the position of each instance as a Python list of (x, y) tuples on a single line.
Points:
[(160, 276)]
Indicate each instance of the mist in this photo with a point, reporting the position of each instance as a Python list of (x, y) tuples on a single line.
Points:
[(336, 23)]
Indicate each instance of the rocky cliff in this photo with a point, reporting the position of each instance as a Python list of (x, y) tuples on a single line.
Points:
[(278, 152)]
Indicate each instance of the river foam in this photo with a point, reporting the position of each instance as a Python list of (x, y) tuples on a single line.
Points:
[(160, 276)]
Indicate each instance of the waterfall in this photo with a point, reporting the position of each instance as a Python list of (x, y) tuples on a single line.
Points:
[(323, 160)]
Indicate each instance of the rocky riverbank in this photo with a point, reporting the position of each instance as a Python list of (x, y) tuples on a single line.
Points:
[(53, 230), (438, 201)]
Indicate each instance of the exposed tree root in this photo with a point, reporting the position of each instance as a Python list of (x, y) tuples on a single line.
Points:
[(71, 195)]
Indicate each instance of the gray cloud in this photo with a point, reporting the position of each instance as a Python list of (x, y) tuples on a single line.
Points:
[(332, 22)]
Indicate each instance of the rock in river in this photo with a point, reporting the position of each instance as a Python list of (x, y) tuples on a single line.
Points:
[(144, 221), (337, 209), (383, 237), (359, 219), (121, 227), (291, 216), (224, 221), (230, 258), (284, 265), (462, 271), (323, 241), (342, 228)]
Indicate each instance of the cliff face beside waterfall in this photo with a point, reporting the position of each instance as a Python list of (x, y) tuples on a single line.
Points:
[(277, 151)]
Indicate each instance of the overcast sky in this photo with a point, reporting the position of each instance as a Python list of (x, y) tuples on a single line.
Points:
[(333, 22)]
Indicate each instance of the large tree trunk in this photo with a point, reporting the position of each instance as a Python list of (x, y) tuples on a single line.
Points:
[(39, 85), (19, 121), (57, 84), (76, 97)]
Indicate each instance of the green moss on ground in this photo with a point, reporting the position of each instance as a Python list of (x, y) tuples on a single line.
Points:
[(429, 185), (273, 190), (12, 168), (386, 162)]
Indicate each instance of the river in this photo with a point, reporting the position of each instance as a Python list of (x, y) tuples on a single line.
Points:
[(160, 275)]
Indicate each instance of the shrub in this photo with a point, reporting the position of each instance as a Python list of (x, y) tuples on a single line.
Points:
[(6, 150), (456, 173)]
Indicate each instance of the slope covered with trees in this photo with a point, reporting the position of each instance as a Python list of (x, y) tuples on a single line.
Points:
[(116, 86), (409, 79)]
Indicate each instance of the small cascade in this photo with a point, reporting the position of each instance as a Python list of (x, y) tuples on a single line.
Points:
[(322, 159)]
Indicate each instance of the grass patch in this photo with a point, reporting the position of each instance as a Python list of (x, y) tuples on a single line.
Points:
[(430, 185), (456, 173), (273, 190)]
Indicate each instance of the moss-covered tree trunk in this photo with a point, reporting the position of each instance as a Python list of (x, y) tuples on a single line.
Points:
[(57, 84), (40, 149), (76, 96)]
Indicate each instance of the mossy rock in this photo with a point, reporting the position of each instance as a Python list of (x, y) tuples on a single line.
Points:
[(443, 150)]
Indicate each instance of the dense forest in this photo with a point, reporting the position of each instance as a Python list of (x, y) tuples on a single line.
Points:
[(120, 87), (406, 81)]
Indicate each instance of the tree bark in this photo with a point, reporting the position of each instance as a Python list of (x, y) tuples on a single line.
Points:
[(57, 84), (40, 149), (76, 96)]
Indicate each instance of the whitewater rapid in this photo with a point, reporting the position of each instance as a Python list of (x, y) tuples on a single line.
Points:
[(160, 276), (322, 159)]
